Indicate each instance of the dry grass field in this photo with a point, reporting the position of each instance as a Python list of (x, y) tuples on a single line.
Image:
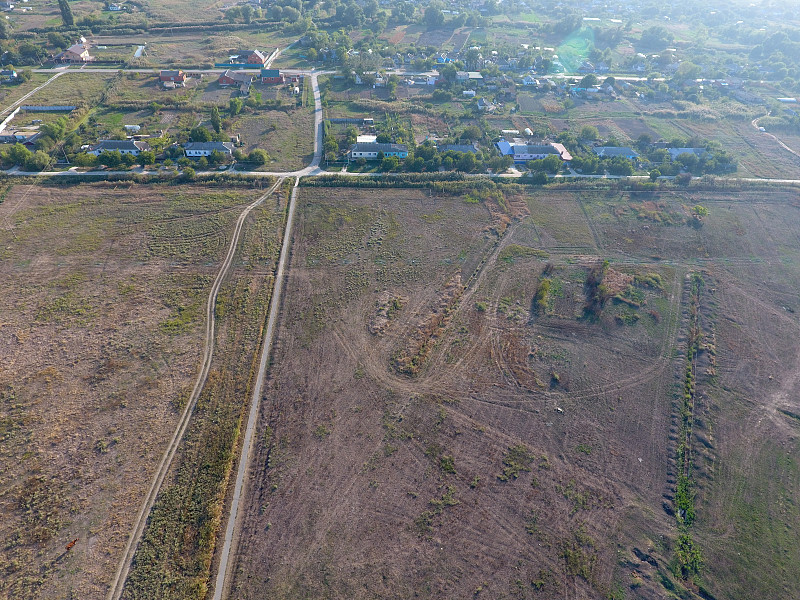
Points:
[(467, 400), (101, 341)]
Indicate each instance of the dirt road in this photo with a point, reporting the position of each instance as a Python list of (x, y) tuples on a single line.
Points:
[(11, 107), (754, 123), (220, 585), (118, 583)]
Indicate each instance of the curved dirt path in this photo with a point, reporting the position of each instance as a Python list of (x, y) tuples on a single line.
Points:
[(118, 583), (754, 123)]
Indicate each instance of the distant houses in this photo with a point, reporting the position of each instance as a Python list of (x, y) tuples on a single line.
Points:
[(134, 147), (371, 150)]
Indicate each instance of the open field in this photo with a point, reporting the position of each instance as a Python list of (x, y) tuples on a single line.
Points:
[(11, 93), (287, 136), (479, 432), (73, 88), (102, 323)]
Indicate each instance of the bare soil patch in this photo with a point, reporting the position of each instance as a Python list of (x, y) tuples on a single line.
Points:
[(531, 449)]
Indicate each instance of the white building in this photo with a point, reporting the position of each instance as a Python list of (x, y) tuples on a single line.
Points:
[(198, 149)]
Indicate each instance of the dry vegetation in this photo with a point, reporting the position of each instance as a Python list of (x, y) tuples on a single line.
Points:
[(533, 449), (102, 321)]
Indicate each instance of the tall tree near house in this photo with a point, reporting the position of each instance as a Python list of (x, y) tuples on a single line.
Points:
[(66, 13), (216, 120)]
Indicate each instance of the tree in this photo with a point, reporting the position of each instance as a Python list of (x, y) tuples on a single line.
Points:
[(128, 160), (466, 162), (643, 142), (448, 72), (688, 161), (202, 163), (434, 17), (391, 86), (111, 158), (589, 80), (548, 164), (686, 70), (472, 133), (390, 163), (39, 161), (539, 178), (589, 132), (247, 13), (188, 174), (232, 14), (258, 157), (235, 106), (148, 157), (216, 121), (84, 159), (57, 40), (654, 175), (655, 38), (200, 134), (620, 165), (19, 155), (66, 13)]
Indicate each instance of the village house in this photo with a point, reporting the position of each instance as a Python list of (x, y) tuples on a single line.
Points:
[(26, 137), (485, 106), (252, 57), (522, 153), (234, 78), (473, 148), (272, 76), (698, 152), (133, 147), (198, 149), (370, 150), (614, 151), (173, 76), (77, 53)]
